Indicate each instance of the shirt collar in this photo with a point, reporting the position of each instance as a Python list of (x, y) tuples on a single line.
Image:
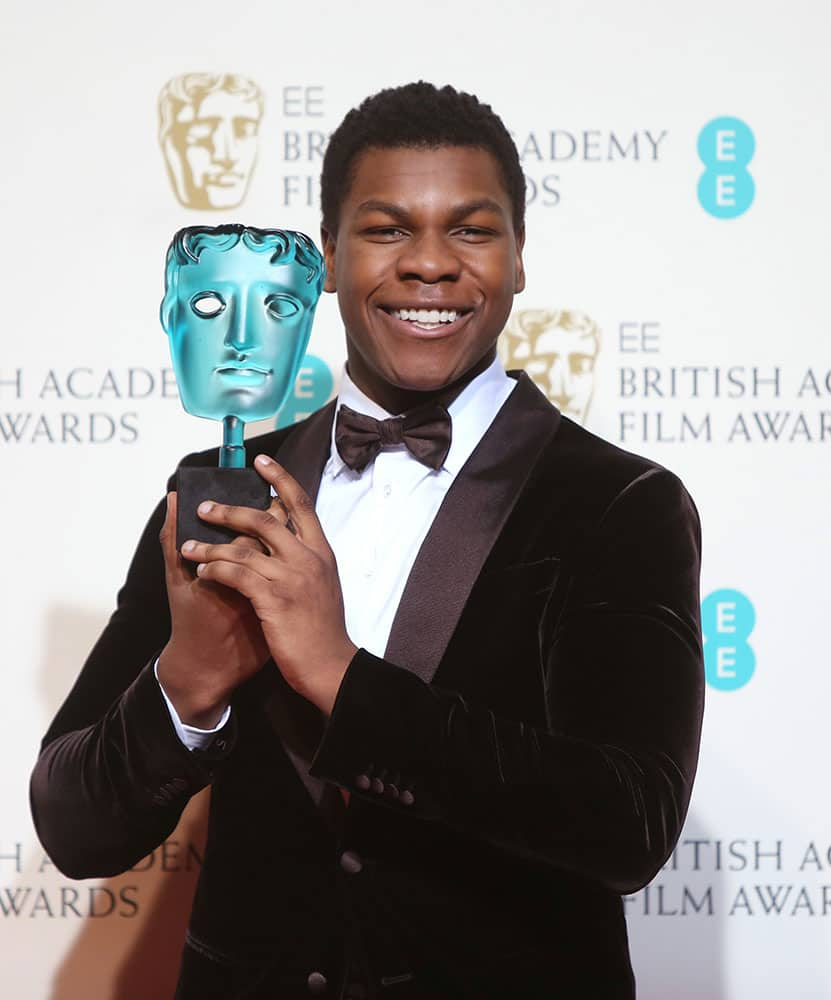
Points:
[(472, 413)]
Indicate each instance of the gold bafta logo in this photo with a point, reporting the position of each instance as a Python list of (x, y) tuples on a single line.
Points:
[(208, 127), (558, 348)]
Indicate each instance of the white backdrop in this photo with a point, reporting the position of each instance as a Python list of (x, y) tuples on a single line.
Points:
[(607, 102)]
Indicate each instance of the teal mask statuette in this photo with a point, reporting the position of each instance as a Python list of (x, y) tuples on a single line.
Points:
[(238, 309)]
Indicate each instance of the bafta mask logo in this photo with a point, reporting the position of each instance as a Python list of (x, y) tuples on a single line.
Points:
[(558, 348), (208, 126)]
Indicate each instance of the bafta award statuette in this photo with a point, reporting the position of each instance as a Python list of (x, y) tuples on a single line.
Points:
[(238, 309)]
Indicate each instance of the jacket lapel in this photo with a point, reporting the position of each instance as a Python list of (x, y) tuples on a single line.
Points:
[(305, 450), (468, 523)]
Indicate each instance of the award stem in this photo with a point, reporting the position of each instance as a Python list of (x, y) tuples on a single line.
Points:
[(232, 452)]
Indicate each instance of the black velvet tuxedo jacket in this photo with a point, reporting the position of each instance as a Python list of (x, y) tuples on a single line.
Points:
[(521, 757)]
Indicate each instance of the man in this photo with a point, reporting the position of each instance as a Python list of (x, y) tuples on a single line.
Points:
[(208, 126), (483, 722)]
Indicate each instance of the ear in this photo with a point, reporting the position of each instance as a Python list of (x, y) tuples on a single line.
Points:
[(327, 241), (519, 266), (167, 309)]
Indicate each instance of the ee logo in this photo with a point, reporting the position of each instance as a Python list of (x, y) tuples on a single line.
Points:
[(727, 619), (726, 147), (312, 388)]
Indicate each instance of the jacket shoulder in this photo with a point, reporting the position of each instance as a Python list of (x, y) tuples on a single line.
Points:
[(597, 472)]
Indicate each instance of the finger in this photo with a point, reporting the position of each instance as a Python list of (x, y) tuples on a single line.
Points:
[(235, 576), (260, 524), (244, 542), (175, 569), (278, 511), (298, 503), (253, 559)]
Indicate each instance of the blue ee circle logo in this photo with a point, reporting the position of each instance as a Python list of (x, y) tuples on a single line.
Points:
[(312, 389), (727, 619), (725, 147)]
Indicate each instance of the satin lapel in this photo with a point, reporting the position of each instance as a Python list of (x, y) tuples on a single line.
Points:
[(468, 523), (296, 722), (305, 451)]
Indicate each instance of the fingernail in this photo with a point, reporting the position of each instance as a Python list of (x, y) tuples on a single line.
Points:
[(200, 568), (206, 507), (262, 460), (189, 546)]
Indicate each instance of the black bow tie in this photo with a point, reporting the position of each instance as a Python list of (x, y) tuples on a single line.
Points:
[(425, 430)]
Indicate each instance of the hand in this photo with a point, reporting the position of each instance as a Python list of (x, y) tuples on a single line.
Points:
[(216, 641), (293, 585)]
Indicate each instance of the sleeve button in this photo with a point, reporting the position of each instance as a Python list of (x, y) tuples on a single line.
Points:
[(351, 863), (316, 983)]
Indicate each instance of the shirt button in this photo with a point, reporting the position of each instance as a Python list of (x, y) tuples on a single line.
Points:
[(316, 983), (388, 490)]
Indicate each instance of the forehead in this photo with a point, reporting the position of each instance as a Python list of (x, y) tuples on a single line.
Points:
[(241, 266), (219, 104), (419, 177)]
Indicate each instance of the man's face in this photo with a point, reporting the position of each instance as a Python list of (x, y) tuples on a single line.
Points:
[(215, 142), (238, 332), (426, 263), (562, 364)]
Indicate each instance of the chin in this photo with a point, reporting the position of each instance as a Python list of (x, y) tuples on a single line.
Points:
[(423, 381)]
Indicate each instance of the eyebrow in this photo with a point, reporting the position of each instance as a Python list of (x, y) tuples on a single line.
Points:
[(460, 212)]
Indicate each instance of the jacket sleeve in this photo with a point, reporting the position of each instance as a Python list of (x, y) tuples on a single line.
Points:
[(603, 788), (112, 777)]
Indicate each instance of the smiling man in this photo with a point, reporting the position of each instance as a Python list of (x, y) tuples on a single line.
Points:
[(448, 689)]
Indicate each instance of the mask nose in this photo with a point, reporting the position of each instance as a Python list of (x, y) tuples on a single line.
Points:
[(239, 337), (561, 385), (224, 145)]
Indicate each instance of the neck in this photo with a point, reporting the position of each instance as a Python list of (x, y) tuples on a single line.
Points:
[(397, 399)]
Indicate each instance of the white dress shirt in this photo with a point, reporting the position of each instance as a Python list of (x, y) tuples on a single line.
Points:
[(376, 519)]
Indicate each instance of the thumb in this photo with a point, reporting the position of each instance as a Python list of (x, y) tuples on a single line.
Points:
[(175, 569)]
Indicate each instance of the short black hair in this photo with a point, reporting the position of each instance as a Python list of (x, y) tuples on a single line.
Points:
[(419, 116)]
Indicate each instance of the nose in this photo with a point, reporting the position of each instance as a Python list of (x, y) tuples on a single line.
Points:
[(241, 335), (429, 258), (224, 144)]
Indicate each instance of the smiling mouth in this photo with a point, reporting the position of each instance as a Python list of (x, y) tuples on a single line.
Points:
[(429, 320)]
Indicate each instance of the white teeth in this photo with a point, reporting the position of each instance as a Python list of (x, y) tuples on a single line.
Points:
[(431, 316)]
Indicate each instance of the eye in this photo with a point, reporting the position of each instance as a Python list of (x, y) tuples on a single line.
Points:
[(384, 234), (473, 233), (281, 306), (207, 304)]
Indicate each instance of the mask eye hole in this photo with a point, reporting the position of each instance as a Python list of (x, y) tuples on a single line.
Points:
[(281, 306), (207, 304)]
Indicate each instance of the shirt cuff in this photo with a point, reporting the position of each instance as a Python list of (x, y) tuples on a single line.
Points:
[(193, 738)]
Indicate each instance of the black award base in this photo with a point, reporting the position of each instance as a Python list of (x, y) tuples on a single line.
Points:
[(238, 487)]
